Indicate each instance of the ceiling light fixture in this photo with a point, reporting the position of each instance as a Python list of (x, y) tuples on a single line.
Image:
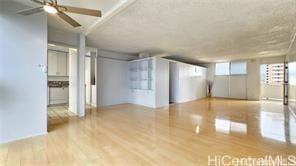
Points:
[(50, 9)]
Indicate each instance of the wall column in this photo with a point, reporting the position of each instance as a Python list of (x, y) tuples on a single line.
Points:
[(81, 76)]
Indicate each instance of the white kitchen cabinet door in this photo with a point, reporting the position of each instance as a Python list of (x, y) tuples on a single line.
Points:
[(52, 63), (62, 64), (58, 95), (57, 63)]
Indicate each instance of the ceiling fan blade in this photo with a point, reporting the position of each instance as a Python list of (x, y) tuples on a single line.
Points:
[(68, 19), (39, 2), (31, 11), (78, 10)]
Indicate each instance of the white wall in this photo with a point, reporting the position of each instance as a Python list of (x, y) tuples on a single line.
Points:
[(81, 76), (87, 81), (162, 83), (174, 82), (238, 87), (221, 86), (158, 95), (73, 81), (94, 90), (253, 79), (94, 95), (188, 82), (23, 85), (230, 86), (272, 91), (142, 97), (64, 38), (112, 81)]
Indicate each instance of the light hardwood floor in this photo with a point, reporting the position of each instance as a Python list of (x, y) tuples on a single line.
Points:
[(182, 134), (58, 115)]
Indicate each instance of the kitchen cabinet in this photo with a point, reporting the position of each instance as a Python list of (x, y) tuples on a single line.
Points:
[(58, 95), (57, 63)]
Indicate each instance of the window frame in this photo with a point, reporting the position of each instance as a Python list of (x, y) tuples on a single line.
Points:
[(229, 69), (242, 74), (222, 74)]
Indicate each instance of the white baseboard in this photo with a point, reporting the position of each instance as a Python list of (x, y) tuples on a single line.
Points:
[(24, 137)]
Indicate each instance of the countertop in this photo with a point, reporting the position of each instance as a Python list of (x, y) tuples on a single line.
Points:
[(58, 84)]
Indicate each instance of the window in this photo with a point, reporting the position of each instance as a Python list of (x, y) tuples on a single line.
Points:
[(272, 74), (231, 68), (238, 68), (222, 68), (292, 73)]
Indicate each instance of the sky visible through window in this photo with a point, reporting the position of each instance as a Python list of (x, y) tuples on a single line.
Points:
[(292, 73), (222, 68), (231, 68)]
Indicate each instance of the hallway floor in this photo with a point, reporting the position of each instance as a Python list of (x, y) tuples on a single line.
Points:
[(57, 115)]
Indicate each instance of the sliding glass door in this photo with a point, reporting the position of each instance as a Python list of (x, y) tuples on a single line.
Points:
[(272, 80), (292, 85)]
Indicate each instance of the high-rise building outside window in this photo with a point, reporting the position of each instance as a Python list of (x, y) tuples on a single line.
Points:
[(272, 74)]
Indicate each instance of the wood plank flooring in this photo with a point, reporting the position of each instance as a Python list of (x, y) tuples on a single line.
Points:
[(58, 115), (182, 134)]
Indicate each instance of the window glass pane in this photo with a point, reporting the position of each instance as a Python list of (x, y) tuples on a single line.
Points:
[(222, 68), (292, 73), (238, 68), (272, 74), (263, 74)]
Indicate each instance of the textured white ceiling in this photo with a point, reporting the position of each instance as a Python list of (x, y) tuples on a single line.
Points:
[(206, 30), (203, 30)]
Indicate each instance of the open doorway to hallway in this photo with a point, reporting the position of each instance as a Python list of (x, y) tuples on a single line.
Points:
[(90, 78), (62, 75), (272, 81)]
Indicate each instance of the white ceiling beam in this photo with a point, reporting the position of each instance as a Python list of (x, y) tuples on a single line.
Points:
[(109, 14)]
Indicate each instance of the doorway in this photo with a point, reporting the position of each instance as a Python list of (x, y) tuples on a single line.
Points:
[(173, 83), (272, 81), (62, 87), (90, 79)]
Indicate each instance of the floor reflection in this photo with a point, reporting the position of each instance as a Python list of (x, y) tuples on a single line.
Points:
[(272, 125), (278, 126), (197, 129), (227, 126), (263, 121)]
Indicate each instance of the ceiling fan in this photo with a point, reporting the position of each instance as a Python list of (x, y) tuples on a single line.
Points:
[(52, 7)]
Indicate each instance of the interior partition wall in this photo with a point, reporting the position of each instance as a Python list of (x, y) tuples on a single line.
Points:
[(149, 82), (187, 82), (23, 78)]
